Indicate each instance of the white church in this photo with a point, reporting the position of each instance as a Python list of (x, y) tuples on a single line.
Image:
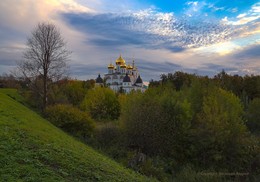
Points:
[(122, 77)]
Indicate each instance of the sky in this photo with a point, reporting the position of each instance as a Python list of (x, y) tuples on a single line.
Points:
[(201, 37)]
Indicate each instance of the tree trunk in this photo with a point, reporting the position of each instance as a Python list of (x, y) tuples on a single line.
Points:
[(45, 89)]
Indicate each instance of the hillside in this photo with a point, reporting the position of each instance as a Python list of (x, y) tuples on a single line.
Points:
[(32, 149)]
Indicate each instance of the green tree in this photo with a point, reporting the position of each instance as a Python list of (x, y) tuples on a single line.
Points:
[(67, 91), (75, 91), (102, 104), (252, 86), (253, 116), (156, 122), (178, 79), (221, 135)]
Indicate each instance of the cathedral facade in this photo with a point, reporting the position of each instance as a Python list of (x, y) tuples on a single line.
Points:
[(122, 77)]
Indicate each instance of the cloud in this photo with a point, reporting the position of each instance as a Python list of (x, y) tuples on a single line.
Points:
[(149, 29), (218, 8), (19, 12), (7, 62), (152, 70), (232, 10), (251, 52), (240, 61), (217, 67), (193, 3), (81, 70), (241, 15), (18, 18), (256, 8), (250, 16), (194, 8)]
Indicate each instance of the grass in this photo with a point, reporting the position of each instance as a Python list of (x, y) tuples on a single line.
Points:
[(32, 149)]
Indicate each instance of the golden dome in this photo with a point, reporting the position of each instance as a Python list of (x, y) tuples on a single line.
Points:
[(129, 67), (123, 65), (110, 66), (120, 61)]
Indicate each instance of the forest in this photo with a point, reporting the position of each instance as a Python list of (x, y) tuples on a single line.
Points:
[(185, 127)]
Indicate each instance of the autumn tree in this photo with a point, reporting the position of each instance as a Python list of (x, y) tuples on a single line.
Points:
[(44, 58)]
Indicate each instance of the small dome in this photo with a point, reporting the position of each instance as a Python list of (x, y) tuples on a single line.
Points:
[(99, 79), (126, 78), (120, 61), (139, 80), (123, 66), (129, 67), (110, 66)]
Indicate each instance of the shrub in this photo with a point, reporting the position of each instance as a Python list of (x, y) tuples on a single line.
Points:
[(71, 119)]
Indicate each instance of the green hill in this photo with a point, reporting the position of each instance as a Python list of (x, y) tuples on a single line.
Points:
[(32, 149)]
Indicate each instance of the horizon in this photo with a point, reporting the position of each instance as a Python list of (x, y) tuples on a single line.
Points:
[(200, 37)]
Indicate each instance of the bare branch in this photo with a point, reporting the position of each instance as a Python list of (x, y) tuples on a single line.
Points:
[(45, 56)]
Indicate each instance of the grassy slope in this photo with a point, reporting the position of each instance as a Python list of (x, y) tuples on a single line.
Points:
[(32, 149)]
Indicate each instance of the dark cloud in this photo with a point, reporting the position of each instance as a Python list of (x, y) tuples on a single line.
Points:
[(216, 67), (86, 69), (158, 67), (251, 52), (175, 48), (9, 35), (107, 30)]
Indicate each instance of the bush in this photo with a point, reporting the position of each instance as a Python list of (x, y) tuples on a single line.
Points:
[(71, 119)]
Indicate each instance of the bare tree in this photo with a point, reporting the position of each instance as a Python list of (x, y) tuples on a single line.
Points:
[(45, 57)]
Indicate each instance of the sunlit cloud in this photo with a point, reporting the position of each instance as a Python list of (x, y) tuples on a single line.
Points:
[(241, 15), (220, 48)]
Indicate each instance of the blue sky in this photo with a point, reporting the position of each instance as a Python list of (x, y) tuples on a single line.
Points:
[(201, 37), (220, 7)]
